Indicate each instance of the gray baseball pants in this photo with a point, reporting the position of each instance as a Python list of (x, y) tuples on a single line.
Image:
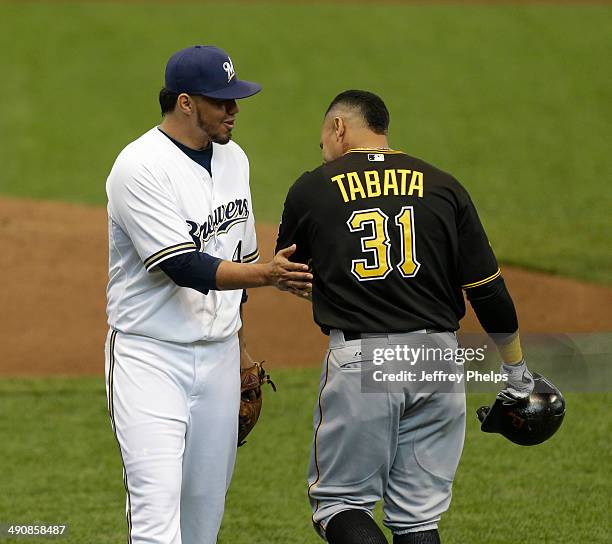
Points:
[(402, 447)]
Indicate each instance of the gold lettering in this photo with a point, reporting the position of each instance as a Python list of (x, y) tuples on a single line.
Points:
[(372, 183), (390, 183), (338, 179), (404, 174), (395, 184), (355, 185), (416, 184)]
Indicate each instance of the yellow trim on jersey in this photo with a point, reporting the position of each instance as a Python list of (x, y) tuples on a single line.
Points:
[(374, 150), (316, 457), (251, 257), (482, 282), (154, 259)]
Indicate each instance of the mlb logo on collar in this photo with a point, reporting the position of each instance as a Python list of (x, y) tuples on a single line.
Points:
[(229, 69), (376, 157)]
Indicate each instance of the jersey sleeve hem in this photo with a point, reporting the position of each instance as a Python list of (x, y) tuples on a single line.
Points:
[(483, 281), (168, 252), (251, 257)]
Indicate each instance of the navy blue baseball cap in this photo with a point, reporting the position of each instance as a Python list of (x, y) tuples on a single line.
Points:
[(208, 71)]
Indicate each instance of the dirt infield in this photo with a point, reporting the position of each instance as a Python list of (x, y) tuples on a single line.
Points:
[(54, 270)]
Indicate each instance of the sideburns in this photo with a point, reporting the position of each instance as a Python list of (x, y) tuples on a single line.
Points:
[(200, 120)]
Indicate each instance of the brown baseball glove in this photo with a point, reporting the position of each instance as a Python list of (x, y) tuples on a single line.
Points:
[(251, 380)]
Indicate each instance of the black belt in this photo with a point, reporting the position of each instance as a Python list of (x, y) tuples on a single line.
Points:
[(349, 336)]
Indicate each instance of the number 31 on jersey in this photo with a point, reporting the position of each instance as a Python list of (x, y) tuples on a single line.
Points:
[(377, 244)]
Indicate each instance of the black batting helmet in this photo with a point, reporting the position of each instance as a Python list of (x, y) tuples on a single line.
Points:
[(526, 422)]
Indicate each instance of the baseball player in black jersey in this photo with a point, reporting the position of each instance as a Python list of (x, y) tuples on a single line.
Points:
[(393, 243)]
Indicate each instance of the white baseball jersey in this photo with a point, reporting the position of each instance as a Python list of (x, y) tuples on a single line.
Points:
[(161, 203)]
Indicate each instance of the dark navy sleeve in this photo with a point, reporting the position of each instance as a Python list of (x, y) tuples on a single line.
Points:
[(195, 270)]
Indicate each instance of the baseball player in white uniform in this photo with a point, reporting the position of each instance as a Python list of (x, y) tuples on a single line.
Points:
[(181, 242)]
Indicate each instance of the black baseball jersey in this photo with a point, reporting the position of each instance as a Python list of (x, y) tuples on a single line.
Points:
[(392, 242)]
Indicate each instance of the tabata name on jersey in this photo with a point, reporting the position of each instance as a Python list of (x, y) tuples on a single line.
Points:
[(395, 182)]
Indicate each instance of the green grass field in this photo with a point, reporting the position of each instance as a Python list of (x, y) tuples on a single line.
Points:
[(514, 100), (60, 464)]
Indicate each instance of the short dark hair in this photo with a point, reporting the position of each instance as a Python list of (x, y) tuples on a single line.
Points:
[(371, 107), (167, 100)]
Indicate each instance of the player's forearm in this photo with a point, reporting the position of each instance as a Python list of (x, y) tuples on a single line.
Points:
[(495, 310), (279, 272), (201, 272), (510, 350), (232, 275)]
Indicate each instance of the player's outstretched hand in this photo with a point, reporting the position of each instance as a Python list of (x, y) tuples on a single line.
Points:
[(290, 276), (519, 384)]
